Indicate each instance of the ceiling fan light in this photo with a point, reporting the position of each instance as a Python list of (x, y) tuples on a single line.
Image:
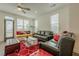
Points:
[(19, 9)]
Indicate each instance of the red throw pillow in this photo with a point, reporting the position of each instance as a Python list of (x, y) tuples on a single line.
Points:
[(56, 37), (17, 32), (20, 32)]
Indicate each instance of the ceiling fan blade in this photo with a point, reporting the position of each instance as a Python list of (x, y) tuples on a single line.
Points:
[(23, 8), (20, 7), (27, 9)]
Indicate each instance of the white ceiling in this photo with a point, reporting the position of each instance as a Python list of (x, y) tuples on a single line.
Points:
[(39, 7)]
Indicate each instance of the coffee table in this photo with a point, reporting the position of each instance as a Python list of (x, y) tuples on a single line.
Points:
[(31, 41)]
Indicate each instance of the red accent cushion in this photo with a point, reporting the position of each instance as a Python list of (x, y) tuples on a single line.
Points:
[(19, 32), (56, 37)]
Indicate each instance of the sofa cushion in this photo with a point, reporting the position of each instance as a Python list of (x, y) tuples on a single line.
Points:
[(46, 33), (42, 32)]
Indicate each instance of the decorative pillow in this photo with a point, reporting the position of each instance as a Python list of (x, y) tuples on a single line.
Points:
[(56, 37), (19, 32)]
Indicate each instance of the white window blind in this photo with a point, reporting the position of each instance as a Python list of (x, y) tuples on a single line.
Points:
[(55, 23), (19, 24), (36, 25), (26, 25)]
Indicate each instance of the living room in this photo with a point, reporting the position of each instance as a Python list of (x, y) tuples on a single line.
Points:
[(19, 22)]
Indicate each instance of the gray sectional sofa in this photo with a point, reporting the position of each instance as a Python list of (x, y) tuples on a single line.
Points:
[(43, 35), (65, 47)]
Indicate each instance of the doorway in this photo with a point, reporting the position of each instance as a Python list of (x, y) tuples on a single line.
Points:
[(8, 28)]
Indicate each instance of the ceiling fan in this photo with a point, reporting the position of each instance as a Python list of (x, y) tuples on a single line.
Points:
[(23, 9)]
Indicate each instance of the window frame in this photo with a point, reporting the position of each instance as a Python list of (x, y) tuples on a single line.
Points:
[(5, 20), (55, 22)]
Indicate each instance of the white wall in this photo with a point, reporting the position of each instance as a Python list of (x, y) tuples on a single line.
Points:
[(44, 20), (74, 24), (44, 23)]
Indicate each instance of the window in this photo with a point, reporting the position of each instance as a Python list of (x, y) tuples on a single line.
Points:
[(26, 25), (19, 24), (9, 27), (22, 25), (36, 25), (55, 23)]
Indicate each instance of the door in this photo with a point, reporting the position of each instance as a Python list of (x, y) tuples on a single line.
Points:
[(8, 29)]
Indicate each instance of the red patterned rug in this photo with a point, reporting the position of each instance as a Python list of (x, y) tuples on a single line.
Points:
[(40, 52)]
